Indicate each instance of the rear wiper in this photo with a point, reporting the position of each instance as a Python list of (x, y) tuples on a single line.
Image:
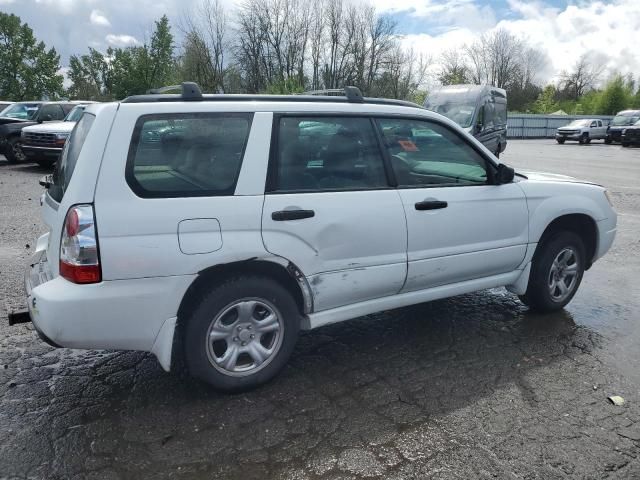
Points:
[(46, 181)]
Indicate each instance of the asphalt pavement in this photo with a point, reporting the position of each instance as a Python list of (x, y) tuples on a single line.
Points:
[(469, 387)]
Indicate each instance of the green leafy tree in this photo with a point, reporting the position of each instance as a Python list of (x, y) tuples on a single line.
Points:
[(546, 102), (27, 69), (153, 65), (616, 96), (91, 76)]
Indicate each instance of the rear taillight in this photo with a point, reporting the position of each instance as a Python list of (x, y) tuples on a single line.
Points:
[(79, 256)]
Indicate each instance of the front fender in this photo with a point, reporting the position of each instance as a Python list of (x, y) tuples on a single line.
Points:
[(548, 201)]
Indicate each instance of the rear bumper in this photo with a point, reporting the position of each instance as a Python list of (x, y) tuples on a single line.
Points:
[(117, 314)]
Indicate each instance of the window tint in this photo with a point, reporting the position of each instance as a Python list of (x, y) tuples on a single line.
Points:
[(175, 155), (599, 123), (51, 112), (69, 157), (593, 124), (328, 153), (428, 154)]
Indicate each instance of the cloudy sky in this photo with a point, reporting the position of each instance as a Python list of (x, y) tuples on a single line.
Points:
[(607, 30)]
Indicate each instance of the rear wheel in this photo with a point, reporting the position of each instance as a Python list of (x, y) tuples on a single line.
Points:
[(242, 333), (14, 151), (556, 272), (625, 144)]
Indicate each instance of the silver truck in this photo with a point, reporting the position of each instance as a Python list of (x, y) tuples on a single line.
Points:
[(583, 130)]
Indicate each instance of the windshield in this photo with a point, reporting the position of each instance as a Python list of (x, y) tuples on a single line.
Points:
[(625, 120), (461, 113), (580, 123), (22, 111), (75, 114)]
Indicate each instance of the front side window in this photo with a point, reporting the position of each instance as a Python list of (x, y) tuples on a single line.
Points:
[(326, 154), (428, 154), (174, 155)]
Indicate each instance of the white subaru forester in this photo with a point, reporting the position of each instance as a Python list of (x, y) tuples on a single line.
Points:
[(212, 228)]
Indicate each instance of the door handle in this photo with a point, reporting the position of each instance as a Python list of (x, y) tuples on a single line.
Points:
[(284, 215), (431, 205)]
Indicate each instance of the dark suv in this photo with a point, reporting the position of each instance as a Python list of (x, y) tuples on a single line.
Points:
[(620, 122), (23, 114)]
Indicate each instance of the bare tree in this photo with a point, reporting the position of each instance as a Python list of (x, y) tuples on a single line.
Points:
[(205, 45), (495, 59), (454, 69), (583, 77)]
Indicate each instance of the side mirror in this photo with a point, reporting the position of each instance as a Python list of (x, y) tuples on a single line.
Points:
[(504, 174)]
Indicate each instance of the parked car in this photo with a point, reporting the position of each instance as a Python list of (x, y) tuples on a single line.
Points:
[(631, 135), (480, 109), (42, 143), (583, 131), (23, 114), (244, 219), (4, 105), (622, 120)]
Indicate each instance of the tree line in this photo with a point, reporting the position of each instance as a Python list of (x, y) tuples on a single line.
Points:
[(291, 46)]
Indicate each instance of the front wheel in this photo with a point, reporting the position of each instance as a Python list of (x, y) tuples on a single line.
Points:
[(556, 272), (584, 138), (608, 140), (242, 333), (560, 141), (625, 144), (14, 153)]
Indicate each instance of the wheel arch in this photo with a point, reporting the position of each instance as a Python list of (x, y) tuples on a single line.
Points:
[(282, 271), (582, 225)]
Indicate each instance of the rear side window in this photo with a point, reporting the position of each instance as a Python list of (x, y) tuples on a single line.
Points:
[(69, 157), (327, 154), (187, 155)]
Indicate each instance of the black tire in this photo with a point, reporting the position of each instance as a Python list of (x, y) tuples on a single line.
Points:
[(608, 140), (198, 353), (584, 138), (560, 141), (45, 162), (538, 296), (14, 153), (625, 144)]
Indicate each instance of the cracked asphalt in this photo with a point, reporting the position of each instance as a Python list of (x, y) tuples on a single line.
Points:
[(469, 387)]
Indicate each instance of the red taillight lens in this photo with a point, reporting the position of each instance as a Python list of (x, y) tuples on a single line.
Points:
[(79, 257)]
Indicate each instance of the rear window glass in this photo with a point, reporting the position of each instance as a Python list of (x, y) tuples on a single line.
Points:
[(69, 157), (175, 155)]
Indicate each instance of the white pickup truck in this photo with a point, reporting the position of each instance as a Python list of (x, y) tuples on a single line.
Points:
[(583, 131)]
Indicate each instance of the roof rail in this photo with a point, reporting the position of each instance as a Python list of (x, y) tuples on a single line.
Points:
[(190, 90), (353, 94)]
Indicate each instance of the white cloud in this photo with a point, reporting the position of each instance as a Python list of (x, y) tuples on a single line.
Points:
[(602, 30), (64, 6), (97, 18), (6, 2), (121, 40)]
